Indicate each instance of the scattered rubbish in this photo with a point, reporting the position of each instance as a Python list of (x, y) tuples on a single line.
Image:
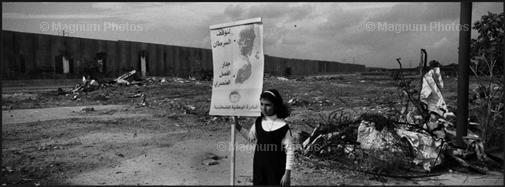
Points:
[(9, 169), (136, 95), (125, 76), (88, 109), (373, 135), (101, 97), (212, 156), (282, 78), (123, 82), (61, 92), (210, 159), (430, 91), (427, 150), (209, 162), (191, 107), (143, 100), (94, 83), (298, 102)]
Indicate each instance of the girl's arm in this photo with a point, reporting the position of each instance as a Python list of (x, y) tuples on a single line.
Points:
[(290, 149), (290, 157)]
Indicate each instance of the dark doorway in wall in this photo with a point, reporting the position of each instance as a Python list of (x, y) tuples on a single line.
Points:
[(287, 72), (63, 65), (21, 64), (165, 63), (142, 64), (101, 61)]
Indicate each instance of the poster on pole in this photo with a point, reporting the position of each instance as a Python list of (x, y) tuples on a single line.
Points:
[(238, 65)]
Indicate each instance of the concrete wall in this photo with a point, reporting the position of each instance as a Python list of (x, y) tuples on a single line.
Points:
[(33, 56)]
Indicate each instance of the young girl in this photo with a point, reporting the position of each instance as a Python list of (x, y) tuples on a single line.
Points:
[(274, 153)]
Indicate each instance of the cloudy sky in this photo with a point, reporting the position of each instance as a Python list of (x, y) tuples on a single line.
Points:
[(373, 34)]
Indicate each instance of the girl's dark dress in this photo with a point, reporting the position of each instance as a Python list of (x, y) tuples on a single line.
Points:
[(269, 156)]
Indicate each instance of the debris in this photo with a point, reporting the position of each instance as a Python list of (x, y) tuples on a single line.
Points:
[(190, 107), (123, 82), (102, 97), (373, 136), (209, 162), (298, 102), (61, 92), (143, 101), (136, 95), (211, 156), (94, 83), (88, 109), (125, 76), (427, 150), (463, 163), (282, 78), (430, 92)]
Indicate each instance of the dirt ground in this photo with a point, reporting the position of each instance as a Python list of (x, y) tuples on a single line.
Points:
[(49, 138)]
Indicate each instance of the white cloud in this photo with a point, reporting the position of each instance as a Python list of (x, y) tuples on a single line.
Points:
[(366, 6), (52, 16), (440, 43)]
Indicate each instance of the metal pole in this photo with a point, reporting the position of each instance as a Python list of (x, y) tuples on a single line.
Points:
[(463, 71), (503, 65), (232, 147)]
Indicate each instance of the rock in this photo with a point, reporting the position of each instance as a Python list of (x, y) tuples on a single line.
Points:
[(211, 156), (209, 162), (136, 95), (61, 92), (191, 107), (282, 78), (88, 109)]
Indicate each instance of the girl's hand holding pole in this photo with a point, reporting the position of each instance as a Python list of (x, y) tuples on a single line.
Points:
[(286, 178)]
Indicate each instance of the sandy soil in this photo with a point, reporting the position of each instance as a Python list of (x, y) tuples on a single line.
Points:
[(52, 141)]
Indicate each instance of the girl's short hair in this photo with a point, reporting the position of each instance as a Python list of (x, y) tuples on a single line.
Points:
[(280, 108)]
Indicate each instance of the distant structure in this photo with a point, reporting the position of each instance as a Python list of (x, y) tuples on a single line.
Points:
[(41, 56)]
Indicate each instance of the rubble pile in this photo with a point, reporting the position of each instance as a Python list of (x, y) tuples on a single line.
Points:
[(419, 137), (409, 146), (91, 84)]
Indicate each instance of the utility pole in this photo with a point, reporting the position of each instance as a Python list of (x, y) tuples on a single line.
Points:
[(463, 71), (503, 65)]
